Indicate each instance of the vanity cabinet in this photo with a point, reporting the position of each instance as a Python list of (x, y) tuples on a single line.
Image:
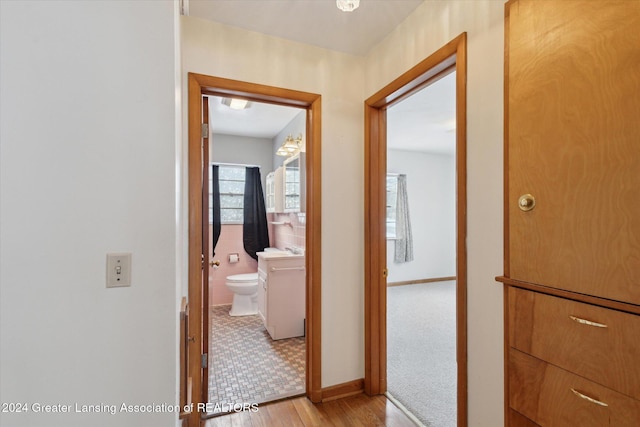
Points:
[(274, 202), (281, 294), (572, 213)]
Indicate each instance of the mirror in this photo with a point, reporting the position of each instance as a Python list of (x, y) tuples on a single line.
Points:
[(273, 192), (294, 183)]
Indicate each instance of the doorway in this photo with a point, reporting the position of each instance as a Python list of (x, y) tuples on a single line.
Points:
[(421, 253), (256, 331), (198, 293), (448, 59)]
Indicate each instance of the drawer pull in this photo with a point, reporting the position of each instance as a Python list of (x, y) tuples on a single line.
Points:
[(587, 398), (287, 268), (587, 322)]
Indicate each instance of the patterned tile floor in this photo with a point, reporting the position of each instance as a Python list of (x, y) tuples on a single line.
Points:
[(247, 366)]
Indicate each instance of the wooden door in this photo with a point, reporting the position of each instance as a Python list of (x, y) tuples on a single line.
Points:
[(573, 132)]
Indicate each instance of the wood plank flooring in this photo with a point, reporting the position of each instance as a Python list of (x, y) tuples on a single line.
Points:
[(359, 410)]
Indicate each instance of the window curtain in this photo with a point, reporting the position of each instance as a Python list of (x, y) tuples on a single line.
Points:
[(404, 237), (255, 233), (215, 205)]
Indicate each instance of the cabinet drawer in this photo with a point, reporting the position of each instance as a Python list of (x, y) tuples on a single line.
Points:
[(515, 419), (551, 396), (597, 343)]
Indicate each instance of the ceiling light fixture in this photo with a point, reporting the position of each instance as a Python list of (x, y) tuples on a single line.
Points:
[(236, 104), (347, 5)]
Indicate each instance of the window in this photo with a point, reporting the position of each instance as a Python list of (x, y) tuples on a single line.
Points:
[(231, 181), (392, 198)]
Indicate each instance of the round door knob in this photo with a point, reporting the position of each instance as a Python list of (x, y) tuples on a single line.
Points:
[(526, 202), (215, 263)]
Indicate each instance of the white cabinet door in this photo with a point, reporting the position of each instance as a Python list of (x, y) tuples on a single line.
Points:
[(262, 297)]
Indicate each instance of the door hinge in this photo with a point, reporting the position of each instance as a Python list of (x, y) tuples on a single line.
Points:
[(184, 7), (204, 361), (205, 131)]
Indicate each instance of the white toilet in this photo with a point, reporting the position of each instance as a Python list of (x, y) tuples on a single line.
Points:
[(245, 294)]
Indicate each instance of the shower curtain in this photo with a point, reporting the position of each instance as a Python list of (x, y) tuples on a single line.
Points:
[(404, 237), (215, 204), (255, 233)]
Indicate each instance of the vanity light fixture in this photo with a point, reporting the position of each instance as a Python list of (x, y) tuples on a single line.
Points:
[(290, 146), (236, 104), (282, 152), (347, 5)]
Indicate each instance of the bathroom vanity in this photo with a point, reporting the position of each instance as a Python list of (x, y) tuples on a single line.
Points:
[(281, 293)]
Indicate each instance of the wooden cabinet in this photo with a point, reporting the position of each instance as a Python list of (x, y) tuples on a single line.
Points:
[(573, 130), (572, 213), (591, 341), (550, 396)]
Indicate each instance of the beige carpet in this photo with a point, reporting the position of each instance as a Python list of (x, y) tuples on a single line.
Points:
[(421, 350)]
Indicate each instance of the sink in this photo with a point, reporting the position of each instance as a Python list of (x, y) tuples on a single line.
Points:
[(277, 253)]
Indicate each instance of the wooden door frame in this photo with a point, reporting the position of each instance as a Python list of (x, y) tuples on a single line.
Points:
[(199, 85), (449, 57)]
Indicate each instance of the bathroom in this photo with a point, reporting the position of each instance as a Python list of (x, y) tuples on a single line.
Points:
[(256, 321)]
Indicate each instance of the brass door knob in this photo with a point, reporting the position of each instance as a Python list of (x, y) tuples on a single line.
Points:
[(216, 263), (526, 202)]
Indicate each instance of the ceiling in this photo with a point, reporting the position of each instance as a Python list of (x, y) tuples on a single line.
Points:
[(259, 121), (423, 122), (308, 21), (426, 121)]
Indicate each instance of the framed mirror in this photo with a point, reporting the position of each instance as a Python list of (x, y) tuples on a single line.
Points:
[(294, 183)]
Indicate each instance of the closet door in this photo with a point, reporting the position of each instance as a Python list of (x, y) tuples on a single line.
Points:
[(573, 130)]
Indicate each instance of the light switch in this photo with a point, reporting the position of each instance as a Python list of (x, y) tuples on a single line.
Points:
[(118, 270)]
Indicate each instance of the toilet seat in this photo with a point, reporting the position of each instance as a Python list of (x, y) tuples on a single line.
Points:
[(243, 278)]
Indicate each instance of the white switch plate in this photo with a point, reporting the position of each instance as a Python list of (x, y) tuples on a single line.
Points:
[(118, 270)]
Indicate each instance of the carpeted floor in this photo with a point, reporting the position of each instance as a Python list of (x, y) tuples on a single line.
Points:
[(421, 350)]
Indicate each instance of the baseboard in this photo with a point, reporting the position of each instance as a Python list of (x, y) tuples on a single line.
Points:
[(415, 282), (404, 409), (339, 391)]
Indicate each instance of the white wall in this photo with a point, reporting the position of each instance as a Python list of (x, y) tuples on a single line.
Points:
[(431, 187), (223, 51), (88, 166), (433, 24)]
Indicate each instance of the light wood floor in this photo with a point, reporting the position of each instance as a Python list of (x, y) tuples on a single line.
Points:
[(359, 410)]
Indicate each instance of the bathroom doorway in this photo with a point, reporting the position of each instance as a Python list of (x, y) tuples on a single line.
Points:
[(383, 165), (200, 86), (255, 356)]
